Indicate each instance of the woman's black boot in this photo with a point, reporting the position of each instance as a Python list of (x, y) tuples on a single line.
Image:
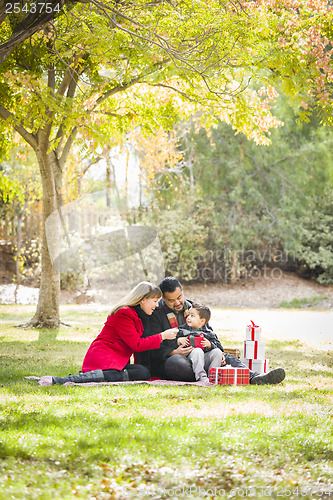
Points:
[(81, 378)]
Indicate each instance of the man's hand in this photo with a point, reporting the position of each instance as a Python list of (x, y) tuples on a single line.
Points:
[(205, 343), (223, 360), (182, 341), (184, 351)]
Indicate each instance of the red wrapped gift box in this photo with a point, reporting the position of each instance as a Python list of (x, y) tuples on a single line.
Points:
[(195, 340), (226, 375)]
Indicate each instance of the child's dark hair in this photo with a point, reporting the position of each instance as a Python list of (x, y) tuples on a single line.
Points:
[(203, 311)]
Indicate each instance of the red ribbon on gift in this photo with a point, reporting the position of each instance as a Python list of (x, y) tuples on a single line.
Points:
[(251, 364), (253, 325), (252, 328), (255, 349)]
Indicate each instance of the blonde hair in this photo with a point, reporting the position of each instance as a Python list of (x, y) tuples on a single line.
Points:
[(144, 290)]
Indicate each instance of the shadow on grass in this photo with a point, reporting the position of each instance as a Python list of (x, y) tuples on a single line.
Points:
[(47, 335), (79, 433)]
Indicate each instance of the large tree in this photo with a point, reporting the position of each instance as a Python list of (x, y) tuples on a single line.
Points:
[(101, 68)]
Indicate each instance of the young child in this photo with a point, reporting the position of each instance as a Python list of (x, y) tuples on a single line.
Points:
[(211, 354)]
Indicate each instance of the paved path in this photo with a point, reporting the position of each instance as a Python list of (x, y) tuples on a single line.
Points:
[(313, 327)]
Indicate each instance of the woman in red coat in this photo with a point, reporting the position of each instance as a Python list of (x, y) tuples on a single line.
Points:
[(109, 354)]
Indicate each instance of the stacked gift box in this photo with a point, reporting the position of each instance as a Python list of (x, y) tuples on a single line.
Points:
[(254, 349)]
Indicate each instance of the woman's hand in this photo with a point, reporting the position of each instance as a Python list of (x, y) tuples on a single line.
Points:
[(169, 334)]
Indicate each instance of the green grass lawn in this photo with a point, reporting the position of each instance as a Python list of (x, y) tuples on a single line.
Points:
[(118, 442)]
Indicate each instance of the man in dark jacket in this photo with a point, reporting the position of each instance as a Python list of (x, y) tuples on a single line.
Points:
[(173, 364)]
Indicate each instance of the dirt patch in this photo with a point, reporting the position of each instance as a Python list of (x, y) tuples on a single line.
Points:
[(264, 292), (261, 293)]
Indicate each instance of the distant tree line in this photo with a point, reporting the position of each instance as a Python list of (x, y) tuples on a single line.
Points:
[(234, 210)]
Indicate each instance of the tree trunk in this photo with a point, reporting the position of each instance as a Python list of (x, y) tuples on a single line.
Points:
[(233, 277), (108, 182), (47, 313), (126, 179)]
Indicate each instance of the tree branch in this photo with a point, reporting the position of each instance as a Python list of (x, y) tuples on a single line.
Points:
[(27, 136), (60, 134), (171, 87), (59, 137), (95, 160), (32, 23), (65, 81), (164, 44), (121, 88), (51, 77), (102, 156), (71, 85), (67, 147)]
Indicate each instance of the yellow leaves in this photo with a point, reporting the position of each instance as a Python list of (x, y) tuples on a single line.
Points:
[(158, 153), (90, 103), (268, 91), (23, 84)]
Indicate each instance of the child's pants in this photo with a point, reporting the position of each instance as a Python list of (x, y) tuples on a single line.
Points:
[(203, 361)]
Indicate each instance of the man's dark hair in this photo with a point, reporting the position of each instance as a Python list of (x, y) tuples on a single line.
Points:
[(203, 311), (169, 285)]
